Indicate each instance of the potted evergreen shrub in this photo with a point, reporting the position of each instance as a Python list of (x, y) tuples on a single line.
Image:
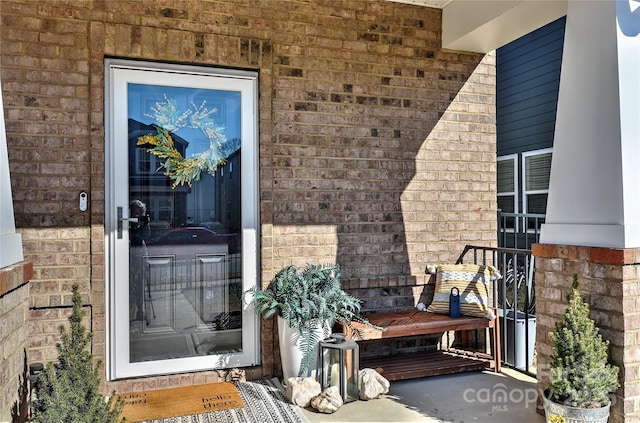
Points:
[(307, 301), (581, 376)]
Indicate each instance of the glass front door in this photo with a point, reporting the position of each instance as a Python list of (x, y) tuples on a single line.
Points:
[(181, 218)]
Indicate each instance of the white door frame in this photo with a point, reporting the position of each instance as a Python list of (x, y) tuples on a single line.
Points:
[(118, 74)]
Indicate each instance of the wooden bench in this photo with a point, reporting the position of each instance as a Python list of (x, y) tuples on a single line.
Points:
[(444, 361)]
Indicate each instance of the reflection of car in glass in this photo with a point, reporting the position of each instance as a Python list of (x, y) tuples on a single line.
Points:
[(190, 254), (196, 236), (158, 229)]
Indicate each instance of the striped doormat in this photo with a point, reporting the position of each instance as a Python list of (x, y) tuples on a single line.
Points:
[(264, 402)]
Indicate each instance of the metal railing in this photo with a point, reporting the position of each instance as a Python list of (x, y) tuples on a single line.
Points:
[(519, 230), (514, 297)]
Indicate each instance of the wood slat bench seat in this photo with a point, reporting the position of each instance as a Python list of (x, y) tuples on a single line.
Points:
[(412, 323)]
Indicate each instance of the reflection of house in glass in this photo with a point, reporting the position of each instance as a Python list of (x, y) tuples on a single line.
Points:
[(166, 207), (192, 259), (212, 202), (223, 203)]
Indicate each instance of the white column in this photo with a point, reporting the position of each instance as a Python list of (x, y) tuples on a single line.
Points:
[(10, 241), (594, 191)]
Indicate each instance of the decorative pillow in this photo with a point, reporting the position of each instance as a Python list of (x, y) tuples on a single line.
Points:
[(474, 283)]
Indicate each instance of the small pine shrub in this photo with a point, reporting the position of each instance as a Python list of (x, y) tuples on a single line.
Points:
[(581, 375), (69, 390)]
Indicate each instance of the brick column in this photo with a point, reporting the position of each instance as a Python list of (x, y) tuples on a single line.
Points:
[(14, 312), (609, 280)]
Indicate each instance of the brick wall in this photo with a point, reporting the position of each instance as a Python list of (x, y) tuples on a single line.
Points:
[(14, 315), (609, 280), (377, 148)]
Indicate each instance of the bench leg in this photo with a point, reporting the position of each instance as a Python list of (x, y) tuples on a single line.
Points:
[(464, 338)]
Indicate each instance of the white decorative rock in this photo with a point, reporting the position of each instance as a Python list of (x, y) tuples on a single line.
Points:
[(372, 384), (301, 390), (328, 401), (236, 375)]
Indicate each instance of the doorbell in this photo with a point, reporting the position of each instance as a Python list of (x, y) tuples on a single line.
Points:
[(83, 201)]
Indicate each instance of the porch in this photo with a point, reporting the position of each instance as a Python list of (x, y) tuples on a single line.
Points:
[(508, 396), (480, 396), (376, 139)]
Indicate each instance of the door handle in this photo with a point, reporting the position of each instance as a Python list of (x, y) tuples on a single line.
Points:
[(123, 219)]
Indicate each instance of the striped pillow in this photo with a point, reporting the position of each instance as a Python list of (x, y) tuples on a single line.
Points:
[(474, 283)]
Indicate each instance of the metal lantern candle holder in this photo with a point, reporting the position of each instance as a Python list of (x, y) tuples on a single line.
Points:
[(339, 366)]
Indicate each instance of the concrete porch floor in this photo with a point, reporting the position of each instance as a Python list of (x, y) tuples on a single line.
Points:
[(482, 397)]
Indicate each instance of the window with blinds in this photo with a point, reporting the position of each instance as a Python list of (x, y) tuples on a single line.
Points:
[(536, 166), (524, 192), (507, 183)]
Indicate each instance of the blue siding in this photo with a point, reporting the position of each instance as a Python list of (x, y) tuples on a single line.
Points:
[(527, 80)]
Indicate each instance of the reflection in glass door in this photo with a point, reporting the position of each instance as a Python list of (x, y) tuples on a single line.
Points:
[(182, 196)]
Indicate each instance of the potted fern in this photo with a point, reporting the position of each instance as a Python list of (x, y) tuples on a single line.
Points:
[(581, 376), (307, 301)]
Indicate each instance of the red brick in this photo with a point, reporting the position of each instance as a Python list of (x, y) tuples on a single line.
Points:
[(544, 250)]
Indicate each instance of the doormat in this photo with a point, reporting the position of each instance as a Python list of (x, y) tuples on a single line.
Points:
[(171, 402), (264, 402)]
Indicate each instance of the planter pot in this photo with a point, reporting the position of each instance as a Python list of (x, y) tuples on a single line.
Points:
[(515, 348), (290, 340), (554, 411)]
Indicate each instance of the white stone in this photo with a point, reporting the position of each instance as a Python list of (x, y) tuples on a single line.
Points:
[(328, 401), (372, 384), (301, 390), (236, 375)]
